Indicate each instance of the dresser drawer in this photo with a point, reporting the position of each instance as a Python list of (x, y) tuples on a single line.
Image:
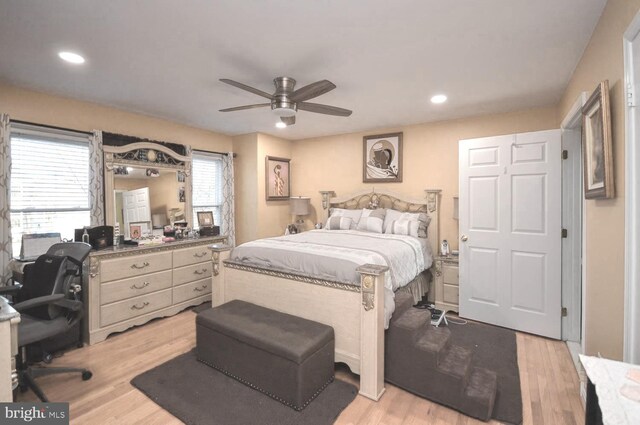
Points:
[(121, 268), (191, 290), (122, 289), (190, 273), (450, 274), (188, 256), (137, 306), (450, 294)]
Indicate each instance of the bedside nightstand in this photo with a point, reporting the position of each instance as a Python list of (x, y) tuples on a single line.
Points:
[(447, 283)]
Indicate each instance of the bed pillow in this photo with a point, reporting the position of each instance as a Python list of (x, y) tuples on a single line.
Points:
[(422, 218), (404, 227), (339, 223), (372, 220), (354, 215), (370, 224)]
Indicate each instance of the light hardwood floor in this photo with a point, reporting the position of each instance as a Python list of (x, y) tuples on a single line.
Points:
[(549, 383)]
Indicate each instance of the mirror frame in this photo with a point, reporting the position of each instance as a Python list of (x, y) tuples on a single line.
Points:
[(116, 156)]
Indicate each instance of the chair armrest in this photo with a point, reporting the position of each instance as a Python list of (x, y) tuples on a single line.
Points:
[(36, 302), (72, 305), (10, 289)]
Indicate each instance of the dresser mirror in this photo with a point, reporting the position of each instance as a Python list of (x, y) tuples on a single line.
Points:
[(147, 186)]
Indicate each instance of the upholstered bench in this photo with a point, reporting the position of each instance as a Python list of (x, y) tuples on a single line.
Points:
[(286, 357)]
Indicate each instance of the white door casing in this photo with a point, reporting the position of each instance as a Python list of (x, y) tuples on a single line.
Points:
[(135, 206), (510, 216), (631, 43)]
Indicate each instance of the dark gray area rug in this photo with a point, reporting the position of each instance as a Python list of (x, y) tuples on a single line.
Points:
[(496, 349), (200, 395), (202, 307)]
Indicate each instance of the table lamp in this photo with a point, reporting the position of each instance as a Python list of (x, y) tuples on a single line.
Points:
[(299, 207)]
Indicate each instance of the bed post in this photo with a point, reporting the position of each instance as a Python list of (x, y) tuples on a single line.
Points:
[(372, 330), (220, 253)]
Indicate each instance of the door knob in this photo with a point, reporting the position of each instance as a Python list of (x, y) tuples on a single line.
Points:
[(464, 238)]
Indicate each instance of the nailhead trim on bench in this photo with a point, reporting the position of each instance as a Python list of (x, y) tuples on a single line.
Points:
[(273, 396)]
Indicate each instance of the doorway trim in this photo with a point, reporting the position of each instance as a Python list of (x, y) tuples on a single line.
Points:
[(576, 295), (631, 348)]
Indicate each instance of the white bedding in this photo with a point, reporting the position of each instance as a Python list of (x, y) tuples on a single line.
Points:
[(334, 255)]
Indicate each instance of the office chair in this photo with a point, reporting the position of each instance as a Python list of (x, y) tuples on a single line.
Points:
[(51, 307)]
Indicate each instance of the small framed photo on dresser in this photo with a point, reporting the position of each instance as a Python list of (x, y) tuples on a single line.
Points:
[(205, 218)]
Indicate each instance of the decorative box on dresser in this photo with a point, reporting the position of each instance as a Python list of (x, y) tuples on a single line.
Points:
[(128, 286), (447, 289)]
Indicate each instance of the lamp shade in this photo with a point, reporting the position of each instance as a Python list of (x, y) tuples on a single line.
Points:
[(299, 205)]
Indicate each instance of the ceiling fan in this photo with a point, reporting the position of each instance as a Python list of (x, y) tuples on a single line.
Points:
[(286, 101)]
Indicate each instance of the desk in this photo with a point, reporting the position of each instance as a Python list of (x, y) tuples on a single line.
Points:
[(9, 319), (605, 404)]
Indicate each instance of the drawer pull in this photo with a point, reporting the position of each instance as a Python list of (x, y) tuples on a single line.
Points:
[(200, 289), (203, 271), (135, 285), (200, 254), (136, 307), (135, 266)]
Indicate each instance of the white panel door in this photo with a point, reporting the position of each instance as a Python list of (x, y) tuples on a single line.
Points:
[(135, 206), (510, 231)]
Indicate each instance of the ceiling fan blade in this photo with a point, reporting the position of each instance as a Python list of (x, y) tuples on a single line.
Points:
[(324, 109), (246, 87), (288, 120), (312, 90), (240, 108)]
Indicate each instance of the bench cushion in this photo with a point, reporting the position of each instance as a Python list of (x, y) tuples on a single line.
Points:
[(284, 335), (286, 357)]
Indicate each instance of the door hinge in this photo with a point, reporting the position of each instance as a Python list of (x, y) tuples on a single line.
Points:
[(565, 154), (565, 233), (563, 312), (630, 96)]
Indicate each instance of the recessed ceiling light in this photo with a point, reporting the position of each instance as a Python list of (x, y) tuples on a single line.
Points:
[(281, 125), (439, 98), (71, 57)]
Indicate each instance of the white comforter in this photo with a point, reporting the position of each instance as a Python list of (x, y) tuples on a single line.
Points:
[(334, 255)]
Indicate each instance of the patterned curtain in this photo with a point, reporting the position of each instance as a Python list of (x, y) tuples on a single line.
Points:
[(228, 204), (6, 252), (96, 177)]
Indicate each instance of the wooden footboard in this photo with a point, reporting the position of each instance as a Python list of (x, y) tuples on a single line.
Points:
[(355, 313)]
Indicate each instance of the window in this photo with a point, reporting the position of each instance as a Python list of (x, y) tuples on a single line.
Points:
[(206, 174), (49, 182)]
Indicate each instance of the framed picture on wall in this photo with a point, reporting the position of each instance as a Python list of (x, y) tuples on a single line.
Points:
[(277, 178), (596, 141), (382, 158)]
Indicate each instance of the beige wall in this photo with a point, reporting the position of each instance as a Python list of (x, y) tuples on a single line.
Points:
[(41, 108), (430, 158), (603, 59), (273, 216), (255, 217), (246, 187)]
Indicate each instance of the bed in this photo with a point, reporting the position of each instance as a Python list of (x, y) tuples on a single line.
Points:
[(335, 277)]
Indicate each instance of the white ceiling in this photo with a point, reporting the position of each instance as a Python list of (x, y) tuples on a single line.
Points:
[(164, 57)]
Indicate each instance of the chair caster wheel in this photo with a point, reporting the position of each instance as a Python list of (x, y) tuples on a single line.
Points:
[(47, 358), (86, 375)]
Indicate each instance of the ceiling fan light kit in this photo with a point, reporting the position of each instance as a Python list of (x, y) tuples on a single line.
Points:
[(286, 101)]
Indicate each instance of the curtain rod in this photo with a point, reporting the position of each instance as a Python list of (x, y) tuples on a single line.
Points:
[(219, 153), (88, 133)]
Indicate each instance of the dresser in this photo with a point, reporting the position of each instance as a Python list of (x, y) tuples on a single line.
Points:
[(447, 289), (128, 286), (9, 319)]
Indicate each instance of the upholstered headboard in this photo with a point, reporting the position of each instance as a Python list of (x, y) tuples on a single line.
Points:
[(380, 199)]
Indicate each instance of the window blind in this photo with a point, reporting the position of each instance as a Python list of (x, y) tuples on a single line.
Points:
[(206, 177), (49, 183)]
